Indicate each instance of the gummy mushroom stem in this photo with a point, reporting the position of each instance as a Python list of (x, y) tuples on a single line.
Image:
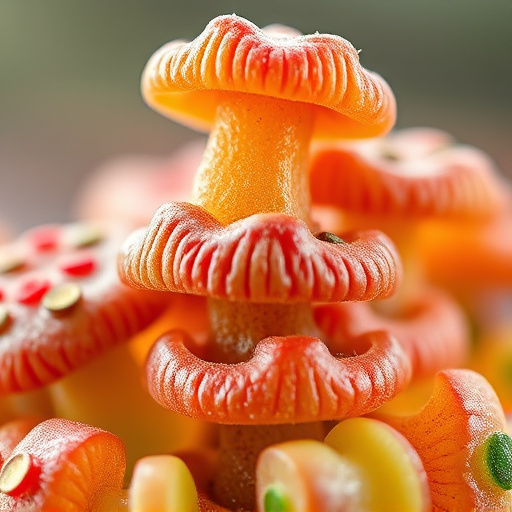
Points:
[(260, 146), (236, 327), (241, 447)]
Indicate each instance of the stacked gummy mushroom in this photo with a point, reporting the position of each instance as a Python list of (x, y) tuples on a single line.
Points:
[(65, 320), (283, 357), (248, 243)]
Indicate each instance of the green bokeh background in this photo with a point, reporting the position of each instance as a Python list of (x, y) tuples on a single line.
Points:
[(70, 70)]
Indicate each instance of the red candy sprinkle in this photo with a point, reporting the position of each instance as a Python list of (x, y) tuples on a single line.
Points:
[(45, 239), (31, 292), (81, 266), (20, 474), (1, 294)]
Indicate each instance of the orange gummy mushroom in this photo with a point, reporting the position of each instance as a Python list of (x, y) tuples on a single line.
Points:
[(257, 91), (460, 436), (61, 465), (247, 243), (397, 184)]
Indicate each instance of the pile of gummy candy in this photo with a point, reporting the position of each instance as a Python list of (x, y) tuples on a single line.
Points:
[(310, 313)]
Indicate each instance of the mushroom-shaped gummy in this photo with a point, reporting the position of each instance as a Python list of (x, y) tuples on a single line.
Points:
[(397, 184), (67, 322), (460, 436), (264, 94), (63, 465), (247, 242)]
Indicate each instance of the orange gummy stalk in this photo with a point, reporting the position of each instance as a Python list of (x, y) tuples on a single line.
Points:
[(269, 181), (461, 440)]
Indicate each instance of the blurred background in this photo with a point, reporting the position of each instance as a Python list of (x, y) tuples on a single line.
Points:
[(69, 79)]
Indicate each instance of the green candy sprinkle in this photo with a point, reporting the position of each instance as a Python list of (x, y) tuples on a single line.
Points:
[(325, 236), (498, 457), (275, 501)]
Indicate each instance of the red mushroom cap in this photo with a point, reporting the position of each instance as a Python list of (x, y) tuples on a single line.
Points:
[(185, 80), (263, 258), (62, 303), (289, 379), (416, 172)]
